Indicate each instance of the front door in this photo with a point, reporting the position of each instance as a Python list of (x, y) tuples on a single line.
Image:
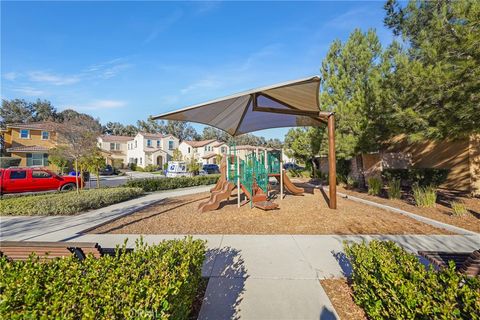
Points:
[(160, 161)]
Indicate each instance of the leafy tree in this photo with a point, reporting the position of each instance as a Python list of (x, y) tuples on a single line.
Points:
[(93, 162), (210, 133), (180, 129), (58, 157), (43, 110), (351, 87), (118, 129), (440, 80), (177, 155), (149, 126), (84, 120), (15, 111), (77, 141)]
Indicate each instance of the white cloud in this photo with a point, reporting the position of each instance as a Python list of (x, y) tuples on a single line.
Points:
[(51, 78), (29, 91), (201, 85), (106, 70), (11, 76), (103, 104)]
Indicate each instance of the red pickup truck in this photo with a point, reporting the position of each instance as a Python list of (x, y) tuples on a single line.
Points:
[(14, 180)]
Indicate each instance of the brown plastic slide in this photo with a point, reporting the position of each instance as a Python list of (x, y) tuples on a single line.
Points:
[(288, 184), (216, 197)]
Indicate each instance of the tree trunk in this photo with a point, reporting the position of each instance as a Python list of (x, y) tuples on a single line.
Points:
[(76, 175), (98, 178)]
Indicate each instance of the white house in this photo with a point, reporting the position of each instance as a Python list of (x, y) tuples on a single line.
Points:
[(204, 151), (151, 149), (114, 148)]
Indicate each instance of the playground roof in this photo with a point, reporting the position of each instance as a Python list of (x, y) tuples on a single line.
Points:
[(288, 104)]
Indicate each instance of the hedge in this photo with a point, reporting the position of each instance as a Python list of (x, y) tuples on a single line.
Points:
[(421, 176), (65, 203), (157, 184), (152, 282), (389, 283)]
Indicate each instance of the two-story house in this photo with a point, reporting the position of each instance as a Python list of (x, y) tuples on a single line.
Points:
[(151, 149), (30, 142), (115, 149), (204, 151)]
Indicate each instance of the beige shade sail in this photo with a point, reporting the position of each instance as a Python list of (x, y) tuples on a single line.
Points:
[(289, 104)]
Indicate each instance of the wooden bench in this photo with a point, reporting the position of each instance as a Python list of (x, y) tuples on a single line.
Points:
[(21, 250), (465, 262)]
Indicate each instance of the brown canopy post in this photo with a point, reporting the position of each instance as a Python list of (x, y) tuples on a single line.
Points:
[(332, 165)]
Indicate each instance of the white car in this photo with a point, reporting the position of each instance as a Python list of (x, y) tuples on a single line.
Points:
[(177, 169)]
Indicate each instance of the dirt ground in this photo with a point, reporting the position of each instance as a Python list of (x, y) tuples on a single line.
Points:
[(442, 211), (307, 214), (340, 295)]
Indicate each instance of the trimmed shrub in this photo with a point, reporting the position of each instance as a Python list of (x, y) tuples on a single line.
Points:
[(7, 162), (389, 283), (394, 190), (66, 203), (152, 282), (458, 208), (150, 168), (157, 184), (421, 176), (374, 186), (352, 182), (424, 196)]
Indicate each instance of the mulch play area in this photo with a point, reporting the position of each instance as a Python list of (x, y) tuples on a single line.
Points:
[(442, 211), (307, 214), (340, 294)]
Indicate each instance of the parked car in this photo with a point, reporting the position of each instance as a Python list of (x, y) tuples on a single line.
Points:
[(211, 168), (292, 166), (15, 180), (107, 171), (85, 175)]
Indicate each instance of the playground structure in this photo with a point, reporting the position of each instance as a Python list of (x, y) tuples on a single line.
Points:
[(250, 176), (287, 104)]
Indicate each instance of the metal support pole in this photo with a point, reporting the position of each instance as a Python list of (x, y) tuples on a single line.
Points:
[(238, 181), (332, 165), (281, 176)]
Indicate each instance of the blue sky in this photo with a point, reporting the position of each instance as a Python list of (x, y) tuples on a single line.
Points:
[(123, 61)]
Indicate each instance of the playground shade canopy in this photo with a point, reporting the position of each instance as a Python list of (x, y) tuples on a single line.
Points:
[(288, 104)]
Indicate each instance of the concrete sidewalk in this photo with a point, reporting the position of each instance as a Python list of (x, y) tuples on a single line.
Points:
[(277, 276), (56, 228)]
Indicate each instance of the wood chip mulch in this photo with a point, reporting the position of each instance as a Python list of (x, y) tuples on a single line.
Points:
[(307, 214), (340, 294), (442, 211)]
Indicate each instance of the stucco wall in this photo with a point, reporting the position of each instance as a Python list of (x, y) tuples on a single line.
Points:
[(474, 158), (453, 155)]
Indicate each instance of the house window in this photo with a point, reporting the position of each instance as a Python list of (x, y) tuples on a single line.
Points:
[(18, 174), (117, 146), (149, 143), (224, 150), (135, 144), (170, 145), (206, 148), (25, 134), (188, 149), (140, 160), (112, 146), (37, 159), (158, 143), (45, 135)]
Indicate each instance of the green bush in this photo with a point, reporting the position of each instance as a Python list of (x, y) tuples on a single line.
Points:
[(421, 176), (352, 182), (152, 282), (7, 162), (394, 190), (150, 168), (374, 186), (66, 203), (389, 283), (458, 208), (424, 196), (157, 184)]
